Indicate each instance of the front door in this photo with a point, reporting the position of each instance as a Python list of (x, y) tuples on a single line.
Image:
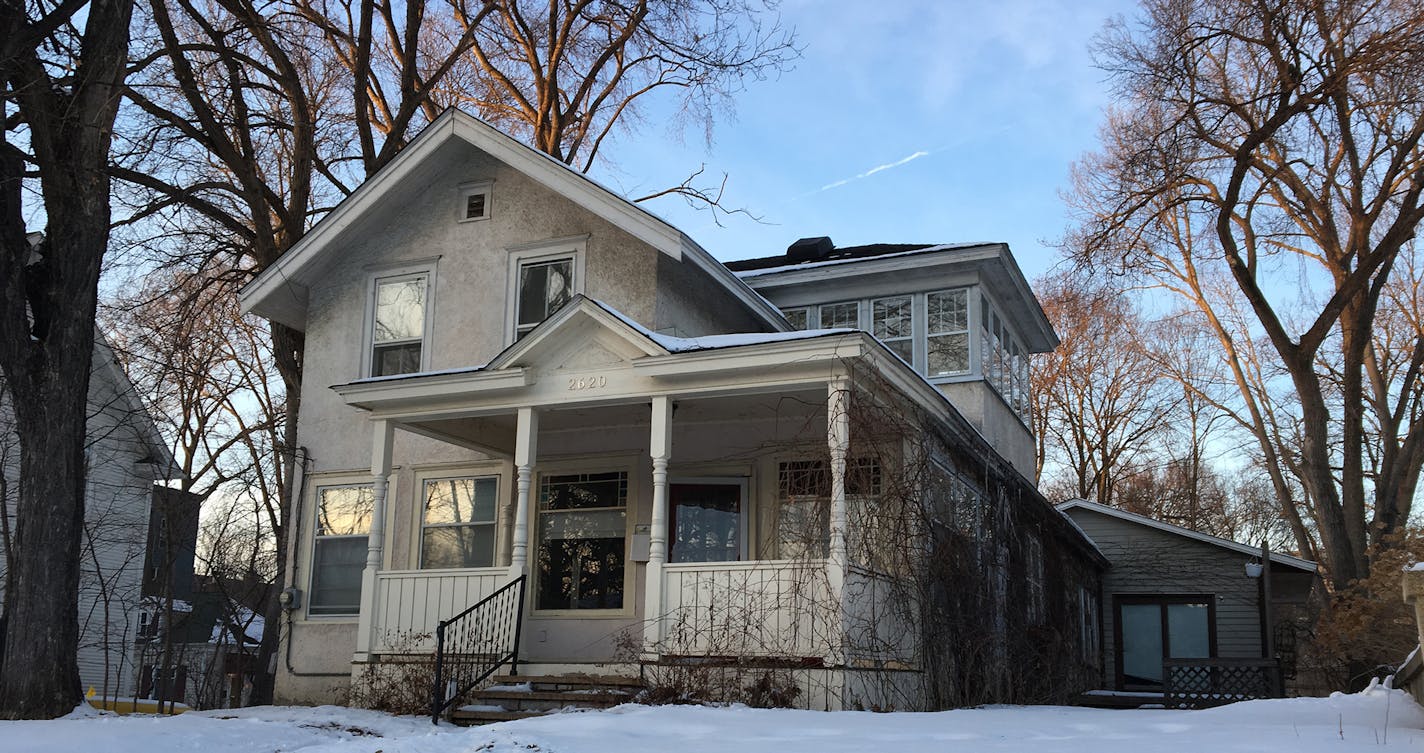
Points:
[(708, 521), (1151, 628)]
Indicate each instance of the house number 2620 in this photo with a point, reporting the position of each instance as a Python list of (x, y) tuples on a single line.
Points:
[(587, 383)]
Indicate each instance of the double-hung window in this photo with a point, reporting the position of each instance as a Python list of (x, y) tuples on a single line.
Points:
[(947, 332), (398, 323), (343, 521), (544, 286), (458, 529), (891, 322)]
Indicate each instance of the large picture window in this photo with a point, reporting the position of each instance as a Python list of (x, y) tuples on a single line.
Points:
[(459, 522), (398, 314), (343, 521), (583, 521)]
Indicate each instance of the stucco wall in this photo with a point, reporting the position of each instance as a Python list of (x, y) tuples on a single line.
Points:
[(1006, 432), (1148, 561)]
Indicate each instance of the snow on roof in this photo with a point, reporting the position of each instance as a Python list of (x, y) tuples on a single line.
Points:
[(746, 273), (1236, 546), (240, 619), (674, 344)]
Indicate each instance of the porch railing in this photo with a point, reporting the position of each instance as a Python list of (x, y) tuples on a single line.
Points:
[(1200, 683), (475, 643), (770, 609)]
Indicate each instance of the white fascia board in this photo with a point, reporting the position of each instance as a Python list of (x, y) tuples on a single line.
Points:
[(1206, 538), (735, 285), (288, 268), (431, 386), (752, 357), (581, 305)]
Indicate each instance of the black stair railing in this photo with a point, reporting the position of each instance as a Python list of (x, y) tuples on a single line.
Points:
[(475, 643)]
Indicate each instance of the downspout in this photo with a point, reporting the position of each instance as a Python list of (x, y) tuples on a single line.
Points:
[(293, 541)]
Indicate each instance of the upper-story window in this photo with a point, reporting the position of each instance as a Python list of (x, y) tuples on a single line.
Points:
[(398, 324), (544, 277), (892, 321), (840, 315), (800, 318), (947, 332), (475, 201)]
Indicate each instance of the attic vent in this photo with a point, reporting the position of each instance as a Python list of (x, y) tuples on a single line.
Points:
[(810, 249), (474, 201)]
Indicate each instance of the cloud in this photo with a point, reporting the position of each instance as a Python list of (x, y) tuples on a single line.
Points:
[(872, 171)]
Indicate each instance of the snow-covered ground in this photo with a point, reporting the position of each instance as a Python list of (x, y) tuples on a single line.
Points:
[(1304, 725)]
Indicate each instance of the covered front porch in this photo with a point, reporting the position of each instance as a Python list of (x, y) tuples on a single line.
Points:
[(663, 504)]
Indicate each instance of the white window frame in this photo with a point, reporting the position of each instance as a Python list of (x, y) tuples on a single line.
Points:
[(474, 188), (914, 335), (807, 310), (376, 275), (614, 463), (312, 539), (572, 247), (495, 522), (859, 313), (923, 334)]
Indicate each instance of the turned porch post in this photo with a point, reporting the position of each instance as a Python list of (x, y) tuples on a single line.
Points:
[(382, 436), (660, 449), (526, 439), (838, 442)]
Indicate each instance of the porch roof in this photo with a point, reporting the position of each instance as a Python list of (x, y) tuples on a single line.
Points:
[(590, 340)]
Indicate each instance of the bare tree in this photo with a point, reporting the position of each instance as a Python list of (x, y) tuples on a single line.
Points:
[(1274, 145), (61, 65), (1098, 399)]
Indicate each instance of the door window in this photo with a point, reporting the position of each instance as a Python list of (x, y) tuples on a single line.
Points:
[(1154, 628)]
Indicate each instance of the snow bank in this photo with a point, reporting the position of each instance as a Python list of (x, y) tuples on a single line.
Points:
[(1338, 724)]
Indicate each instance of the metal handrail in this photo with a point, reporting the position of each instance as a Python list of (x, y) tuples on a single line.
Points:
[(475, 643)]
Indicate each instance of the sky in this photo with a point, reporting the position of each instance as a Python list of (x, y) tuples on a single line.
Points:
[(903, 122)]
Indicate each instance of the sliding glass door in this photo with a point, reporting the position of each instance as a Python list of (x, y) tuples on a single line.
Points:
[(1151, 628)]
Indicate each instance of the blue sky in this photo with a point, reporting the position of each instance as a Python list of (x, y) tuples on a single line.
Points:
[(978, 110)]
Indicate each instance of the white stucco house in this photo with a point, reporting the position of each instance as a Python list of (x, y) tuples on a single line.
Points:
[(125, 456), (521, 387)]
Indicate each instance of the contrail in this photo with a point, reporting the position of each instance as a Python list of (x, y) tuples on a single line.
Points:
[(873, 171)]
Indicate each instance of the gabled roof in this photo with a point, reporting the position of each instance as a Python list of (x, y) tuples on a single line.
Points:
[(279, 292), (1143, 520)]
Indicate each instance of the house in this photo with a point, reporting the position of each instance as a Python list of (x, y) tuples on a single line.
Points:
[(1179, 600), (125, 457), (211, 648), (541, 425)]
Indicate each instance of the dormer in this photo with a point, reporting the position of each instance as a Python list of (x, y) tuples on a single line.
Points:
[(962, 315)]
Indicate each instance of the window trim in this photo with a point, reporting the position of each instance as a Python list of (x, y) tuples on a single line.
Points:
[(376, 275), (968, 332), (574, 247), (632, 506), (914, 335), (743, 517), (311, 542), (473, 188), (496, 521), (859, 313)]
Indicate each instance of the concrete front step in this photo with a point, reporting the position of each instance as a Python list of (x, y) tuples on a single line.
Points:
[(522, 696)]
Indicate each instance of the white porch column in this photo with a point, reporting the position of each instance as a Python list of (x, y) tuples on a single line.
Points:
[(526, 438), (660, 449), (382, 436), (838, 441)]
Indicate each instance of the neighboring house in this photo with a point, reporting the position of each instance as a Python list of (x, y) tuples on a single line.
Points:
[(1175, 593), (125, 457), (514, 376), (211, 650)]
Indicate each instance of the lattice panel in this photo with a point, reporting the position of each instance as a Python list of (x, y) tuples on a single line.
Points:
[(1215, 682)]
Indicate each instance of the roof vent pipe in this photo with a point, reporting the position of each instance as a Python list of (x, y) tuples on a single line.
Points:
[(810, 249)]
